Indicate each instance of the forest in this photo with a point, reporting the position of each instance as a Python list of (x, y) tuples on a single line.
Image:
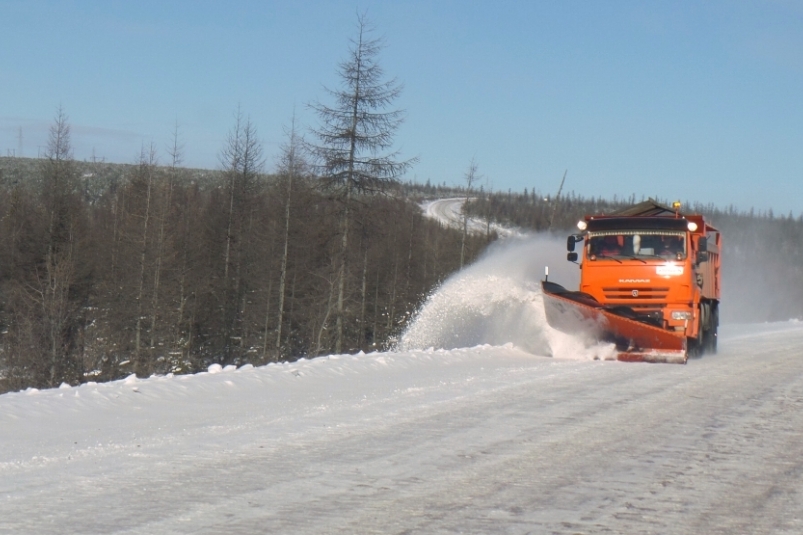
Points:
[(112, 269), (108, 270), (162, 272)]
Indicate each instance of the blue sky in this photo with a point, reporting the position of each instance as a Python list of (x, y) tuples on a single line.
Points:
[(698, 101)]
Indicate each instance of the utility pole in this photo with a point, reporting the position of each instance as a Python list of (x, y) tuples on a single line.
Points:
[(555, 203)]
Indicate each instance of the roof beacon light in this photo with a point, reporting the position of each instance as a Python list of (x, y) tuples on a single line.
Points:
[(582, 225), (692, 226)]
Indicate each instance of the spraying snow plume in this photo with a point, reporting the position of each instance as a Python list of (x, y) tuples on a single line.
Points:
[(498, 301), (762, 277)]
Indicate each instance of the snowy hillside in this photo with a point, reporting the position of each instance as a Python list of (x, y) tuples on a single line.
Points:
[(470, 426)]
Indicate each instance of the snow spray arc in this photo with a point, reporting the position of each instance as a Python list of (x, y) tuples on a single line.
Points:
[(498, 300)]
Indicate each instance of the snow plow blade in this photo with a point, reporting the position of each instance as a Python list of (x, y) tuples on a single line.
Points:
[(636, 341)]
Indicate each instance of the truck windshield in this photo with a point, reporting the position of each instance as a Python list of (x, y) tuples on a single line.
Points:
[(636, 244)]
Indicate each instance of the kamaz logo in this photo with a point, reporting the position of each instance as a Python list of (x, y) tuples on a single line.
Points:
[(631, 281)]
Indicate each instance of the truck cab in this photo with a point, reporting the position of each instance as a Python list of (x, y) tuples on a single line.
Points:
[(655, 265)]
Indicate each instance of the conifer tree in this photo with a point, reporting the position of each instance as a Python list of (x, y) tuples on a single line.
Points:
[(355, 137)]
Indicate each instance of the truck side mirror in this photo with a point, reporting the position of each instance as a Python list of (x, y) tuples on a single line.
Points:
[(571, 257), (571, 240)]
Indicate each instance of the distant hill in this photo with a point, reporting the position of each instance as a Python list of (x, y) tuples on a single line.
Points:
[(95, 177)]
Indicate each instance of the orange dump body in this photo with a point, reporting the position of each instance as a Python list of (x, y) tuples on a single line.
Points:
[(650, 283)]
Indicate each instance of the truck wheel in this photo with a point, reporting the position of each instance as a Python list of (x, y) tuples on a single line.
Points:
[(709, 338), (699, 346), (712, 345)]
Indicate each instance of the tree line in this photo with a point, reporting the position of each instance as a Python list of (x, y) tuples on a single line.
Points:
[(163, 274), (153, 273)]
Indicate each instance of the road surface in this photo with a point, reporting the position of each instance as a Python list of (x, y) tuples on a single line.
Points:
[(479, 440)]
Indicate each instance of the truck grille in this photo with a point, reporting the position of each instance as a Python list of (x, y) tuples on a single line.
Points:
[(641, 298)]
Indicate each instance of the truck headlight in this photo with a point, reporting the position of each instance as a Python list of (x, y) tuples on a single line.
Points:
[(681, 315)]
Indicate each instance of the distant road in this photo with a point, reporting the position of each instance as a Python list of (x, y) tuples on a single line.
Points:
[(448, 211)]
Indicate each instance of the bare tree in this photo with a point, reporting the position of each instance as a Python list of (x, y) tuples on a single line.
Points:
[(242, 160), (167, 186), (147, 168), (353, 136), (55, 288), (292, 166)]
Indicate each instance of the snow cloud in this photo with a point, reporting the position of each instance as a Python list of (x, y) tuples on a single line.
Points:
[(498, 300)]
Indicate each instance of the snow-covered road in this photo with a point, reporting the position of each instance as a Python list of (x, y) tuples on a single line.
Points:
[(449, 212), (480, 440)]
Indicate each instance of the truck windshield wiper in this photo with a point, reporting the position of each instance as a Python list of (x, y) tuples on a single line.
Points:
[(639, 259), (610, 258)]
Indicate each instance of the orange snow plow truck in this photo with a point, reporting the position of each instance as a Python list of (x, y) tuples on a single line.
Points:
[(649, 283)]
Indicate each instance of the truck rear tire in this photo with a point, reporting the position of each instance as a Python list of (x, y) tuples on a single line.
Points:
[(712, 347), (709, 338)]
